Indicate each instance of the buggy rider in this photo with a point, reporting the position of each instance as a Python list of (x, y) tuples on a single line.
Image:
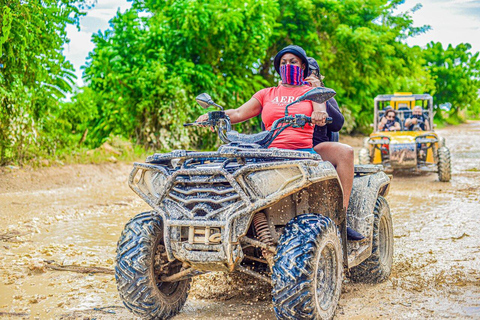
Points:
[(417, 120), (388, 123)]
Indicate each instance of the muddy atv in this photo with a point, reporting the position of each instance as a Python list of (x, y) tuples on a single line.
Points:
[(413, 148), (273, 214)]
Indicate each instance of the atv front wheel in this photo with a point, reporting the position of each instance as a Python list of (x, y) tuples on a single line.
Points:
[(444, 165), (141, 261), (378, 266), (364, 156), (308, 269)]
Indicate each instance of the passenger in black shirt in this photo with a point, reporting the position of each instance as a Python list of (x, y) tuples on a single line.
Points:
[(338, 154)]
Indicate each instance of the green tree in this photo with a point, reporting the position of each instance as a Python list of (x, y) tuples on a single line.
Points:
[(34, 74), (456, 71), (359, 47), (149, 67)]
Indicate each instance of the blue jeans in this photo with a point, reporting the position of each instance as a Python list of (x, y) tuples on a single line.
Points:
[(307, 150)]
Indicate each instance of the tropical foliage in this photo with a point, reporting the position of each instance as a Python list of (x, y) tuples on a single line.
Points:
[(146, 69), (456, 72), (34, 74)]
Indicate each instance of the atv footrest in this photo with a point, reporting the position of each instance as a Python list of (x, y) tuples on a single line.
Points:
[(367, 168)]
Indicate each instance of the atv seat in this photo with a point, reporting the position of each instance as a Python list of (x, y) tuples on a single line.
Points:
[(260, 138)]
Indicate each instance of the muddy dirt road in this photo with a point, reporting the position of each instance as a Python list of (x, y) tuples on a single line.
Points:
[(73, 215)]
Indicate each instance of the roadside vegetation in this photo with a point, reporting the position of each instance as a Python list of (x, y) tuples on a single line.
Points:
[(146, 69)]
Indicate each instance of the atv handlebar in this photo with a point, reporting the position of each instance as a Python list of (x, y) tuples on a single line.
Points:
[(192, 124), (220, 121)]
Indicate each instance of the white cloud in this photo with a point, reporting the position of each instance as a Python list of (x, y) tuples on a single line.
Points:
[(452, 21)]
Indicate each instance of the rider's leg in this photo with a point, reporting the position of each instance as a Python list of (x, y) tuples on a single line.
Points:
[(341, 156)]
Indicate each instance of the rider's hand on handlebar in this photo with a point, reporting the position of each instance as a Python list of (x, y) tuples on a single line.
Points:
[(204, 118), (319, 118)]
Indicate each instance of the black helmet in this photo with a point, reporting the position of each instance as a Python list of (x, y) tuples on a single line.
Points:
[(296, 50), (313, 65)]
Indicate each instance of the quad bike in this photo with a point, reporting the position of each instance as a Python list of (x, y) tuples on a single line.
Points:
[(274, 214), (415, 150)]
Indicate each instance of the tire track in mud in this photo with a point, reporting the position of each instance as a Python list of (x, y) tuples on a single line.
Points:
[(74, 215)]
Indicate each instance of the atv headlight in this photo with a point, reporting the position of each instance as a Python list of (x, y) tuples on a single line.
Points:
[(268, 182), (154, 182)]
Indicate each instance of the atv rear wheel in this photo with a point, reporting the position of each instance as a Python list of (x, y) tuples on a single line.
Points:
[(141, 261), (364, 156), (308, 269), (378, 266), (444, 165)]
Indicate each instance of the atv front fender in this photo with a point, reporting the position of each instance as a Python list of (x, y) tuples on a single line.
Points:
[(367, 187)]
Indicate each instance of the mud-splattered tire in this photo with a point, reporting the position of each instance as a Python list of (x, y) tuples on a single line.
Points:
[(378, 266), (364, 156), (444, 165), (137, 283), (308, 269), (366, 143), (441, 142)]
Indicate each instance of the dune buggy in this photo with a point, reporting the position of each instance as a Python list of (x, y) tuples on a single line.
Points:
[(274, 214), (411, 148)]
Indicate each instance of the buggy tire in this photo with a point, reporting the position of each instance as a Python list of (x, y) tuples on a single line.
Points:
[(364, 156), (139, 245), (441, 142), (365, 142), (308, 269), (378, 266), (444, 164)]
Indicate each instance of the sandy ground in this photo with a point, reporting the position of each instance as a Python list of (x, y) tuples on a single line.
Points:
[(73, 215)]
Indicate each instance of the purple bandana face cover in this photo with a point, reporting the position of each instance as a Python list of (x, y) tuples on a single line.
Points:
[(291, 74)]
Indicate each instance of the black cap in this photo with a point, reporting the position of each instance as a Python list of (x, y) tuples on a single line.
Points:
[(296, 50)]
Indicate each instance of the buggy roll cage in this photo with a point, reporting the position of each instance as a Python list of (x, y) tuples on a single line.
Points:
[(382, 101)]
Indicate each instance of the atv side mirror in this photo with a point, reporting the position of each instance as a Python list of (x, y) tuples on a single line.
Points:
[(206, 101), (318, 95)]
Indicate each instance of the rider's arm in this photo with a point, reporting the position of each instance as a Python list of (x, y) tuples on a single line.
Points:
[(427, 125), (249, 109), (337, 117), (408, 122), (382, 123), (396, 126), (319, 114)]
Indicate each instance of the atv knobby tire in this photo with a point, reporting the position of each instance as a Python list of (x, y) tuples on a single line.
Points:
[(139, 247), (378, 266), (308, 269), (444, 165), (364, 156)]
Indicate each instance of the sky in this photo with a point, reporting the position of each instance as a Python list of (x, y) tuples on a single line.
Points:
[(452, 22)]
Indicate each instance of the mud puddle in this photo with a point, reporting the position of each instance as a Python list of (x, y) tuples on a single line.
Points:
[(74, 215)]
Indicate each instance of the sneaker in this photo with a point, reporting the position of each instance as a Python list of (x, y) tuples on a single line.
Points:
[(353, 235)]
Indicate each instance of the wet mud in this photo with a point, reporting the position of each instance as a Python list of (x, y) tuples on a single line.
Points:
[(60, 226)]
